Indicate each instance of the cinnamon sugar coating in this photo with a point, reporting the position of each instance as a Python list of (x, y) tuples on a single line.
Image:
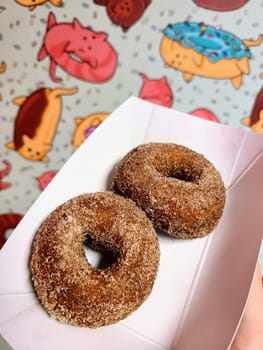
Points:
[(179, 189), (68, 286)]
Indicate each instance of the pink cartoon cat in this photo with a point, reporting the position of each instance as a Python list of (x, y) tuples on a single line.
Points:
[(78, 50), (156, 91)]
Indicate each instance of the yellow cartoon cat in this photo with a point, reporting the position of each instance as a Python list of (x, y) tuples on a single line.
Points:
[(36, 122), (2, 70), (199, 49), (32, 4), (2, 67), (85, 126)]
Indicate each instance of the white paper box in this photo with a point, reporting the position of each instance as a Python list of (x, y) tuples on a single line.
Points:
[(202, 284)]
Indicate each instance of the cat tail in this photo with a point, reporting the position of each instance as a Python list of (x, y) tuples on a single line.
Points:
[(62, 91), (43, 51)]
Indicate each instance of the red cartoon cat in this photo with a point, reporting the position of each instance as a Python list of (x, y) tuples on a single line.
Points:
[(81, 52), (4, 173), (156, 91)]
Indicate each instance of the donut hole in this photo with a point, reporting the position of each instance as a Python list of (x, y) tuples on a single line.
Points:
[(183, 174), (97, 255)]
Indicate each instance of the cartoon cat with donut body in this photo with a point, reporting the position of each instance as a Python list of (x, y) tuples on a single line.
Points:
[(36, 122), (203, 50), (255, 120)]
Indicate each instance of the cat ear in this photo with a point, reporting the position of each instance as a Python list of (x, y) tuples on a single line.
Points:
[(44, 159), (78, 120), (25, 139), (19, 100), (246, 121), (102, 36), (11, 145), (76, 24), (144, 77), (163, 80)]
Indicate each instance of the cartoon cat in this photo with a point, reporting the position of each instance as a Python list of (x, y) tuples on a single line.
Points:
[(81, 52), (44, 179), (86, 126), (2, 67), (255, 121), (124, 12), (156, 91), (206, 114), (8, 221), (36, 122), (199, 49), (32, 4), (4, 173), (2, 70)]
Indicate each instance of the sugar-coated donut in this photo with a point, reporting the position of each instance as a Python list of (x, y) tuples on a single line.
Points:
[(179, 189), (68, 286)]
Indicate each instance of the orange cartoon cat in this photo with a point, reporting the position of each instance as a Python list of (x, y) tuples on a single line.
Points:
[(85, 127), (255, 120), (32, 4), (2, 70), (200, 49), (36, 122), (2, 67)]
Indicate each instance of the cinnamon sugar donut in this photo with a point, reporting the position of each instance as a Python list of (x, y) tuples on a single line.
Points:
[(69, 287), (179, 189)]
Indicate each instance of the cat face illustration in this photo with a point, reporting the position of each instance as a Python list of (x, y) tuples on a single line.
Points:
[(86, 45), (30, 2), (258, 126), (176, 56), (34, 150)]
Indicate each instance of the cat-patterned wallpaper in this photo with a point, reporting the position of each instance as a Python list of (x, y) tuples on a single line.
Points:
[(65, 65)]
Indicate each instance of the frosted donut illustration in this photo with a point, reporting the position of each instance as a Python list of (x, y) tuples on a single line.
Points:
[(203, 50), (124, 13)]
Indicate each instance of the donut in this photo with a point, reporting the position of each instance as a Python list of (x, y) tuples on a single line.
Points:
[(73, 291), (206, 51), (179, 189)]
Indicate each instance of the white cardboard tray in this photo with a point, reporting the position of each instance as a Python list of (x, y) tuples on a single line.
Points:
[(202, 284)]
